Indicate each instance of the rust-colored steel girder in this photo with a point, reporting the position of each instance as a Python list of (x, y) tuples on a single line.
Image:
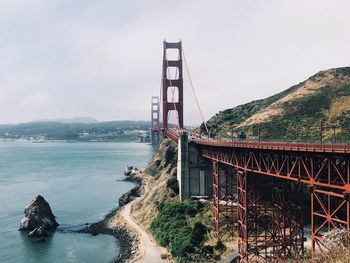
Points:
[(281, 146), (224, 199), (326, 174), (242, 216), (216, 198), (326, 170), (270, 222)]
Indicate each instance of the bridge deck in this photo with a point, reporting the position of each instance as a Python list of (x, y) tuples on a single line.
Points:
[(281, 146), (270, 145)]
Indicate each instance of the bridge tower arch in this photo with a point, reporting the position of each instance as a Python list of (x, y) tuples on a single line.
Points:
[(169, 83)]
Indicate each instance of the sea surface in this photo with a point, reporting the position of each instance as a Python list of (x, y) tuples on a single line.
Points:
[(81, 182)]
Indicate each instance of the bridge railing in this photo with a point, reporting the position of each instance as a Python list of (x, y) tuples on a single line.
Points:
[(282, 146), (172, 134)]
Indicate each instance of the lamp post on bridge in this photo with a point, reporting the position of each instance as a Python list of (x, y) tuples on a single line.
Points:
[(333, 127), (321, 131)]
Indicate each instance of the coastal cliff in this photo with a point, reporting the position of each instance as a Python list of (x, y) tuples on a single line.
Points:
[(160, 169)]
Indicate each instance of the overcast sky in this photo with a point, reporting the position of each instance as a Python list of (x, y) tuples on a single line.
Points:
[(65, 58)]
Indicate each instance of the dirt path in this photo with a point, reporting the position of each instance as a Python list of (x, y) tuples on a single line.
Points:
[(149, 250)]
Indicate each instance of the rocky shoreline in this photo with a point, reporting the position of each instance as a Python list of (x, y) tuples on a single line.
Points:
[(128, 241)]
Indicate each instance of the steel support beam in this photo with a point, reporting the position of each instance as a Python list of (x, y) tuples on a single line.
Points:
[(242, 216), (216, 199), (327, 175), (224, 199)]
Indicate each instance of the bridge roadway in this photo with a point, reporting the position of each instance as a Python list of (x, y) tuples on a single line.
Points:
[(269, 145), (293, 161)]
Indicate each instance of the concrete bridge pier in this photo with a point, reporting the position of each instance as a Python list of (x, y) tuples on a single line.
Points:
[(194, 173)]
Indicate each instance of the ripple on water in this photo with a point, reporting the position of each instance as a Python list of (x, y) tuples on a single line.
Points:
[(79, 181)]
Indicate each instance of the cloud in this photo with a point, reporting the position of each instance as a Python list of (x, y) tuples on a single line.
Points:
[(39, 99), (3, 93), (103, 58)]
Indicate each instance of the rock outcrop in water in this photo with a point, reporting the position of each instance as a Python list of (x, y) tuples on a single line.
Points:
[(38, 216), (38, 232)]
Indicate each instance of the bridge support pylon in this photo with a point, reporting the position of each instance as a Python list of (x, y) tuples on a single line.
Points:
[(183, 175), (172, 83), (155, 136)]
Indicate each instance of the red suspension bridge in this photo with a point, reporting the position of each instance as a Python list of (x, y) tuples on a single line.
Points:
[(273, 181)]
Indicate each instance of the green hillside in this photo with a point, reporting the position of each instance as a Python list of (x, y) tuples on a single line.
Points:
[(294, 114)]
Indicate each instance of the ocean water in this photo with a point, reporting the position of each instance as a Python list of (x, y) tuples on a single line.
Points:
[(81, 182)]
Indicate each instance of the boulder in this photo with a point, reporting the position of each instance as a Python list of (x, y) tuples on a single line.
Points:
[(38, 232), (128, 170), (38, 214)]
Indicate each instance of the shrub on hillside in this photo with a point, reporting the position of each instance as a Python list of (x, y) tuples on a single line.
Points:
[(181, 242), (164, 159), (198, 233), (173, 184), (171, 228)]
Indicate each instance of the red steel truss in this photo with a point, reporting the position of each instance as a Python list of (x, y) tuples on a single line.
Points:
[(325, 169), (281, 146), (287, 218), (269, 229), (242, 207), (216, 198), (326, 174), (224, 199)]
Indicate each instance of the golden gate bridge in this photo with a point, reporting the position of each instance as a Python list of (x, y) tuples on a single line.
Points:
[(266, 180)]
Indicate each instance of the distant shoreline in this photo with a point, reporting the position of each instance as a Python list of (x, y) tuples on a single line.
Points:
[(98, 131), (70, 141)]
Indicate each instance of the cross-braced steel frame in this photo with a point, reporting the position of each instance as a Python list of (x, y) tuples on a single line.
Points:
[(326, 174), (270, 222), (224, 199)]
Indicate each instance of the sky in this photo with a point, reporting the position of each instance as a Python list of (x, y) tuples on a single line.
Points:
[(62, 59)]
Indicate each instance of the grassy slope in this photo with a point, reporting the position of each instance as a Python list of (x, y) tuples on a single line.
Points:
[(295, 113)]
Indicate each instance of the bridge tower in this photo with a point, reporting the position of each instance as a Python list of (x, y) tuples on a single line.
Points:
[(155, 120), (172, 83)]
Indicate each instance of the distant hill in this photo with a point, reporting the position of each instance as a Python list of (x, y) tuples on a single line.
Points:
[(100, 131), (294, 114), (70, 120)]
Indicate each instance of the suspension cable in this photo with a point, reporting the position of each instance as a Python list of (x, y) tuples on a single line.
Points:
[(160, 101), (194, 92)]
